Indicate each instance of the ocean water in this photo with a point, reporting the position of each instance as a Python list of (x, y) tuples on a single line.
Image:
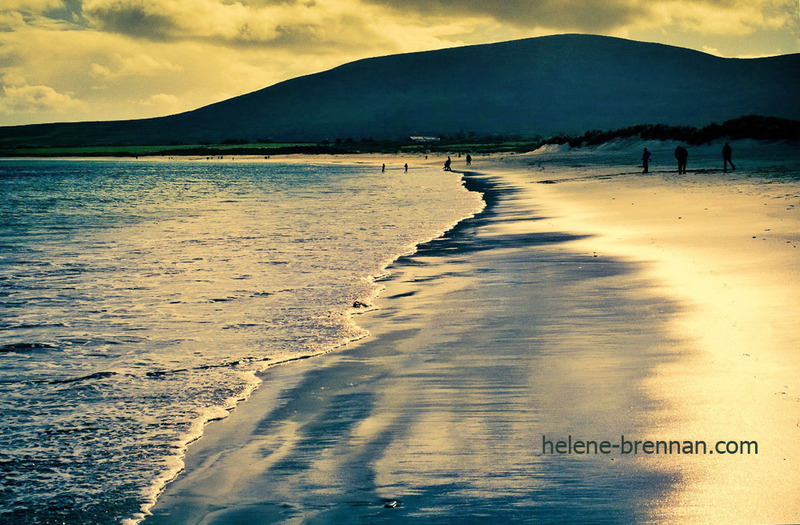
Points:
[(138, 300)]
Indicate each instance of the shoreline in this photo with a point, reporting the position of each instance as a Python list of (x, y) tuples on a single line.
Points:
[(615, 339), (383, 274), (364, 303), (204, 470)]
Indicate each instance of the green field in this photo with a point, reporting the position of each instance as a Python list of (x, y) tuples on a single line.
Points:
[(144, 151)]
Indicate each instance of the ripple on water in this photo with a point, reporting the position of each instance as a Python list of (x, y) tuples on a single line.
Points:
[(126, 323)]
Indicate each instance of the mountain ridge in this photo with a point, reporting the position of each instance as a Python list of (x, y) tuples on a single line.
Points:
[(559, 84)]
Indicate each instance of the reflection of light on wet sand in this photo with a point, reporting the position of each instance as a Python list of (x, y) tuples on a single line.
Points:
[(488, 346), (460, 434), (515, 352), (737, 377)]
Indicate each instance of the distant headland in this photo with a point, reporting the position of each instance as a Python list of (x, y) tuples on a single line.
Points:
[(526, 91)]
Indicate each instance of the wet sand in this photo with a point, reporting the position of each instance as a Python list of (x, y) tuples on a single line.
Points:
[(535, 320), (726, 247)]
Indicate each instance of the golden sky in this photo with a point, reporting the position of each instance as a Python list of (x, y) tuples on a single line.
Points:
[(66, 60)]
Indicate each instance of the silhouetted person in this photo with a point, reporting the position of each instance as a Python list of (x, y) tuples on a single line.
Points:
[(447, 164), (469, 159), (646, 161), (383, 168), (406, 167), (726, 157), (681, 154)]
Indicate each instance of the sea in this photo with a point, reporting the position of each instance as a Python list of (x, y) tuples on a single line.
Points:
[(139, 300)]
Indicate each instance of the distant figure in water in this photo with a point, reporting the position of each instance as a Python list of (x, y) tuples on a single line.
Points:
[(405, 166), (681, 154), (383, 168), (726, 157), (646, 161), (447, 164), (469, 160)]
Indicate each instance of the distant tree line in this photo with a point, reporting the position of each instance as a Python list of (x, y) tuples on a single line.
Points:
[(748, 127)]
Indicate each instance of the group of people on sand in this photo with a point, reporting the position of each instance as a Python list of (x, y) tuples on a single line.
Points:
[(405, 167), (682, 156), (449, 161), (447, 164)]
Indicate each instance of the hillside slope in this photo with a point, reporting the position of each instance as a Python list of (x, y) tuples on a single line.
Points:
[(539, 86)]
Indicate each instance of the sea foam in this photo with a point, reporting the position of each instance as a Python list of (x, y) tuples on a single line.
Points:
[(139, 300)]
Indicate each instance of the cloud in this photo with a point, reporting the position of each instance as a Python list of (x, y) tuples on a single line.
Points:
[(323, 26), (160, 99), (53, 14), (585, 15), (11, 21), (31, 6), (135, 18), (704, 16), (722, 17), (222, 21), (711, 50), (302, 25), (32, 99), (164, 103), (140, 64)]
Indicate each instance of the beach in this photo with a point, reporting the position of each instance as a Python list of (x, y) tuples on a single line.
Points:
[(724, 246), (585, 303), (399, 262)]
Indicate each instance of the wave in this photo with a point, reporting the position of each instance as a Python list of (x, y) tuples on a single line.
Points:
[(361, 305)]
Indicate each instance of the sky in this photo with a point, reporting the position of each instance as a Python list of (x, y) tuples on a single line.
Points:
[(78, 60)]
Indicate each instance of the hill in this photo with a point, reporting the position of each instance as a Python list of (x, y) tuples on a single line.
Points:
[(563, 84)]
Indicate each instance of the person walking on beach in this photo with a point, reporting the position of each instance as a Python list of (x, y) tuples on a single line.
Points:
[(383, 168), (405, 166), (447, 164), (646, 161), (726, 157), (469, 159), (681, 154)]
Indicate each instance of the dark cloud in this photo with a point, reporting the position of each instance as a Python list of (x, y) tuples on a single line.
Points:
[(68, 11), (588, 15), (132, 20), (299, 25)]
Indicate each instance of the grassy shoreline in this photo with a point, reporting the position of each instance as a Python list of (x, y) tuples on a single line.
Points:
[(749, 127)]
